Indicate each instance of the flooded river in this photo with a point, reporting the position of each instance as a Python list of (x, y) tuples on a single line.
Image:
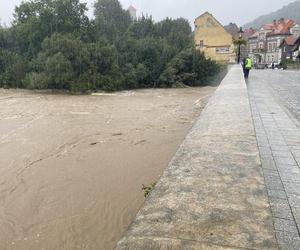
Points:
[(72, 167)]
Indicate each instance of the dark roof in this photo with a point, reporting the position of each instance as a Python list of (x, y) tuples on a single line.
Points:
[(254, 35), (249, 32), (291, 40), (232, 29), (281, 27)]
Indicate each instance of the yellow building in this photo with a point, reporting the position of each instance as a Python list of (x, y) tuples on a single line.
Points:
[(212, 38)]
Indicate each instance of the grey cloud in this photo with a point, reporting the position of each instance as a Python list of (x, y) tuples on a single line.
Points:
[(226, 11)]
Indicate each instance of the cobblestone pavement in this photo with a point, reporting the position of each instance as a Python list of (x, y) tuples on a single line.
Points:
[(275, 103), (286, 86)]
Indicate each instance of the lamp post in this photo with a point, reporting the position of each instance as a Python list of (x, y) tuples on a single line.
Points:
[(240, 41)]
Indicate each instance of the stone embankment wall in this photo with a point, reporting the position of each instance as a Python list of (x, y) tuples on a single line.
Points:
[(212, 195), (293, 66)]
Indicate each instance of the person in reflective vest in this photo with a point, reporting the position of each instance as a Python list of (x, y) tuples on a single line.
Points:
[(248, 66)]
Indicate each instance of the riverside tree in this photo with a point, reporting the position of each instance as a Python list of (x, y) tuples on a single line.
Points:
[(53, 44)]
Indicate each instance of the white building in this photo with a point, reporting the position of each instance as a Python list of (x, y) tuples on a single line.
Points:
[(132, 12)]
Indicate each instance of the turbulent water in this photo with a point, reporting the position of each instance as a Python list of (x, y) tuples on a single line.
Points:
[(72, 167)]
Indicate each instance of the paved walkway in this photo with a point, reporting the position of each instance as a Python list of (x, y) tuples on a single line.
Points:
[(212, 195), (275, 110), (285, 86)]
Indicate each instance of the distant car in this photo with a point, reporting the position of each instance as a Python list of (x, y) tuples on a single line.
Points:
[(276, 66)]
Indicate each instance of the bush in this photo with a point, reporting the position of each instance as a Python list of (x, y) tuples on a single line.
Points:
[(80, 87), (13, 68), (287, 61), (189, 67), (35, 80), (59, 72)]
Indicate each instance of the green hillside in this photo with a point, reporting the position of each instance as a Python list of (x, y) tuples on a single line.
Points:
[(291, 11)]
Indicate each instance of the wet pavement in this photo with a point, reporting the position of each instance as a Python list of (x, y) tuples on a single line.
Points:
[(275, 103)]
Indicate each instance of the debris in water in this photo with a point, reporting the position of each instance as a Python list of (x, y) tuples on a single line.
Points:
[(140, 142), (117, 134), (147, 190)]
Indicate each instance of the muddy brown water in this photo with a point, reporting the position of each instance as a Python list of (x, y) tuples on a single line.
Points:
[(72, 167)]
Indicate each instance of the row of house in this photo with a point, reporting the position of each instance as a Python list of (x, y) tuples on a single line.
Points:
[(270, 44), (274, 41)]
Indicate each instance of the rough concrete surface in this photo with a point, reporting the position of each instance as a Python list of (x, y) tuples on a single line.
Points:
[(212, 195)]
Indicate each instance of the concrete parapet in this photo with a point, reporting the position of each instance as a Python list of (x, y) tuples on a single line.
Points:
[(212, 195)]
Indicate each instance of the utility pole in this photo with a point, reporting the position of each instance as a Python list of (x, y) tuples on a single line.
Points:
[(240, 40)]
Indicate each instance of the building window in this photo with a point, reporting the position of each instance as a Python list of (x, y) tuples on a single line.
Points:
[(270, 47), (261, 36), (201, 43)]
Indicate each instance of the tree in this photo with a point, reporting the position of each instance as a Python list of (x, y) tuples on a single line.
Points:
[(144, 27), (189, 67), (52, 44), (13, 68), (110, 19), (177, 32), (59, 72), (37, 19), (240, 41)]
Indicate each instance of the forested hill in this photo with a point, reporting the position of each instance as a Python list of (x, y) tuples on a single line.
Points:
[(291, 11), (53, 45)]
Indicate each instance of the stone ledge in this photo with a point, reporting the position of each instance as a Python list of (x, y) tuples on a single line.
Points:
[(212, 194), (164, 244)]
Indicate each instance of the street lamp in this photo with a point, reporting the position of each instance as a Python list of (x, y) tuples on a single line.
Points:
[(240, 43)]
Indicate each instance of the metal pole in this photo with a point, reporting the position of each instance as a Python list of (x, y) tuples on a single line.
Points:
[(240, 40), (239, 54)]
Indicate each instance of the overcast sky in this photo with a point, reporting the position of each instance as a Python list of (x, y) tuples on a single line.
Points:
[(226, 11)]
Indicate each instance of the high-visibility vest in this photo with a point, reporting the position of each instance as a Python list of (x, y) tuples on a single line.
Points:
[(248, 63)]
